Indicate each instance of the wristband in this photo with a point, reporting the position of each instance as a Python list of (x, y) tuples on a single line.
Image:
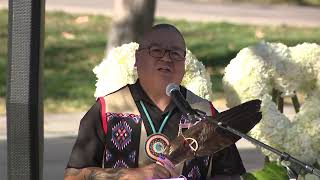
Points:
[(165, 162)]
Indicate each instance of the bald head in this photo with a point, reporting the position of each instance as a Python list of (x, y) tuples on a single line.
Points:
[(161, 31)]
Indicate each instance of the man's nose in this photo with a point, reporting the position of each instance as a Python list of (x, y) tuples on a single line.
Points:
[(166, 56)]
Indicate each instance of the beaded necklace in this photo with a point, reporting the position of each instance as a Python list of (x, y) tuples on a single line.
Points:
[(156, 142)]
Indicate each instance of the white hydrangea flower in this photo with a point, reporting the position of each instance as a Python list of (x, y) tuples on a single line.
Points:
[(116, 70), (196, 78), (308, 58), (256, 70)]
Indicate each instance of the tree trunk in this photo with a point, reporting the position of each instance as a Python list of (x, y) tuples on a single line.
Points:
[(131, 19)]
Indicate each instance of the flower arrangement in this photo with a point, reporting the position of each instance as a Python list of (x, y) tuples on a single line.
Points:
[(117, 70), (256, 70)]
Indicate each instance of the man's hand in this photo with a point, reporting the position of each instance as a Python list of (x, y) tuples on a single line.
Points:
[(152, 171)]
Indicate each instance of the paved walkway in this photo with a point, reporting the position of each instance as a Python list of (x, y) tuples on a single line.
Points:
[(191, 10)]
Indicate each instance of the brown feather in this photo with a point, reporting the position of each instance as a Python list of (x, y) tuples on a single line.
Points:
[(210, 137)]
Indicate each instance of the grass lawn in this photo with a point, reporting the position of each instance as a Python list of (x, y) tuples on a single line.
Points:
[(75, 43), (289, 2)]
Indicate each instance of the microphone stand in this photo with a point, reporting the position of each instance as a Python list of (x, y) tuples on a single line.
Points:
[(283, 155)]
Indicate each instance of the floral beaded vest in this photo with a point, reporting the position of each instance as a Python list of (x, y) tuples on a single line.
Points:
[(126, 134)]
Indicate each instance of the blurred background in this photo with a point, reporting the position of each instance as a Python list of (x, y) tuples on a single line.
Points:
[(78, 35)]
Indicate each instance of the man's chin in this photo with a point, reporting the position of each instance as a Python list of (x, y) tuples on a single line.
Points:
[(164, 81)]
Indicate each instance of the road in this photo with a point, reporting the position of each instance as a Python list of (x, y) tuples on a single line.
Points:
[(190, 10), (56, 154)]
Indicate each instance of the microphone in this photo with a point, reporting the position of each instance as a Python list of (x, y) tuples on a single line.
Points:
[(173, 90)]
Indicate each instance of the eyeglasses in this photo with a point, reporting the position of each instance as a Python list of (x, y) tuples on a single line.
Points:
[(157, 52)]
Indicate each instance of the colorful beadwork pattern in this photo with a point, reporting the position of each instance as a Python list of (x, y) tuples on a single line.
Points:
[(135, 118), (121, 135), (183, 119), (194, 173), (108, 155), (120, 164), (155, 145), (132, 156)]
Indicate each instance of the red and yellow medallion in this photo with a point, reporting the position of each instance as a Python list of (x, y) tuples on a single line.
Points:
[(155, 145)]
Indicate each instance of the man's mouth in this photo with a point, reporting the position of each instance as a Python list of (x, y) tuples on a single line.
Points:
[(164, 69)]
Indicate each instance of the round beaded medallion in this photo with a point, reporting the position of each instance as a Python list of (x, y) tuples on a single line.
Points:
[(155, 145)]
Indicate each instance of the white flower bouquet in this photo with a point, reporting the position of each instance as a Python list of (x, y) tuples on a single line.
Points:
[(256, 70)]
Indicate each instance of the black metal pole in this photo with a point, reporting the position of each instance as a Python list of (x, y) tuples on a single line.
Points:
[(283, 155), (24, 90)]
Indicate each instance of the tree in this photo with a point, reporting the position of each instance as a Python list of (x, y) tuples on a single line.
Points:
[(131, 19)]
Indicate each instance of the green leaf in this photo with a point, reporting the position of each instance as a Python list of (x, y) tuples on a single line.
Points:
[(249, 176), (271, 171)]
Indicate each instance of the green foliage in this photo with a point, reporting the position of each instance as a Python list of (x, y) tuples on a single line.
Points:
[(296, 2), (249, 176), (3, 50), (216, 80), (311, 2), (72, 49), (215, 44), (271, 171), (74, 44)]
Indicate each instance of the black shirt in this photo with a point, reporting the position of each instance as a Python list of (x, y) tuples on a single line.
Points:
[(157, 116), (89, 146)]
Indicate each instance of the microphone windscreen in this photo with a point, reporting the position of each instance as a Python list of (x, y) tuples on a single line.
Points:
[(171, 87)]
